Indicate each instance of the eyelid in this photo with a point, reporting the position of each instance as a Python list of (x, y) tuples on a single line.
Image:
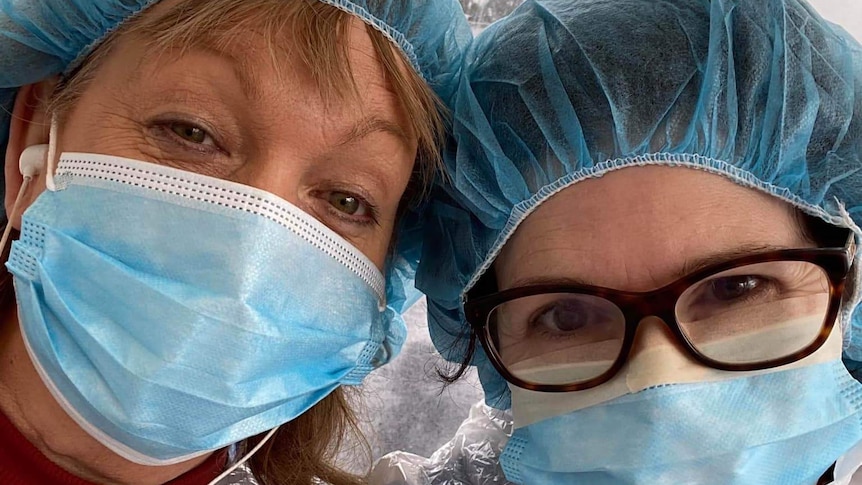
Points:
[(357, 191), (164, 121), (368, 219), (344, 224), (533, 318)]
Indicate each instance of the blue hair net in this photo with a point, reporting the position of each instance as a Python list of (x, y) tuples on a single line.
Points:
[(42, 38), (764, 92)]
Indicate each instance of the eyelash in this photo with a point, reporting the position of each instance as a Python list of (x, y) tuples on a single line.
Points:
[(372, 218), (165, 129), (534, 326)]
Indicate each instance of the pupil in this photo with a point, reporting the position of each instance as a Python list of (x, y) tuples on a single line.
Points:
[(732, 287), (195, 134), (568, 316), (345, 203), (191, 133)]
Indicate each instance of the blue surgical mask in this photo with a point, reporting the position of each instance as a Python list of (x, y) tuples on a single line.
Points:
[(171, 313), (757, 429)]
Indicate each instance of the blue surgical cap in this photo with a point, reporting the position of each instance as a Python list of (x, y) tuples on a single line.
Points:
[(41, 38), (764, 92)]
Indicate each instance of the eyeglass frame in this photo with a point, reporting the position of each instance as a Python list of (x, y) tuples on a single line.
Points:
[(661, 303)]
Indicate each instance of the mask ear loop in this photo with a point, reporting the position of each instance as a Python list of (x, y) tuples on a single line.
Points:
[(32, 159), (244, 459), (29, 164)]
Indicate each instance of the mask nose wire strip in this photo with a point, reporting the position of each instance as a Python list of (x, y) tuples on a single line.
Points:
[(8, 230), (244, 459)]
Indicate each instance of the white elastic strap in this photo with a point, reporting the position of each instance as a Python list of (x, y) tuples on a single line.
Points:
[(29, 165), (52, 156), (8, 230), (245, 458)]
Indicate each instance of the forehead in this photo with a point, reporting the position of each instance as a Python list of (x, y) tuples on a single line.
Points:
[(641, 227), (271, 66)]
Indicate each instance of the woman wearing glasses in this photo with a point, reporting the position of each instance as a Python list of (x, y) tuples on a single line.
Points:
[(648, 247)]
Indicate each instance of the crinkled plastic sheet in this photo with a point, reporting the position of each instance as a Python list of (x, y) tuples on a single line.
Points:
[(470, 458)]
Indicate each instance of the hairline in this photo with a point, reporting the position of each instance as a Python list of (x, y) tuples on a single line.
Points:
[(425, 119)]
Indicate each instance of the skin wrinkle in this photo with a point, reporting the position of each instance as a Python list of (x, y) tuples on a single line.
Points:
[(629, 231), (371, 176), (194, 91), (372, 124), (245, 72), (225, 52), (244, 37)]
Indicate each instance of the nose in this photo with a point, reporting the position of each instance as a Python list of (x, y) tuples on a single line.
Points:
[(275, 173), (652, 332), (657, 357)]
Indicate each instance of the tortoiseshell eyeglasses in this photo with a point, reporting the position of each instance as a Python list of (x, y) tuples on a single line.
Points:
[(755, 312)]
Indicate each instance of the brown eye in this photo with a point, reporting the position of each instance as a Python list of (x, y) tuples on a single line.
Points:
[(190, 133), (348, 204), (734, 287)]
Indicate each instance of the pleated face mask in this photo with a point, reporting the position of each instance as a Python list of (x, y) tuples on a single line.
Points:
[(172, 313), (663, 420), (659, 363)]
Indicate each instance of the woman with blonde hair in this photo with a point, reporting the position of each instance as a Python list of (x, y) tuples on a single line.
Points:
[(202, 197)]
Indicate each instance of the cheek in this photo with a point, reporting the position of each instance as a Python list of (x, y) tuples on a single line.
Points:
[(408, 189), (376, 247)]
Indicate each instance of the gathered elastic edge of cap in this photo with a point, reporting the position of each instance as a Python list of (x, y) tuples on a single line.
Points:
[(393, 35), (523, 209)]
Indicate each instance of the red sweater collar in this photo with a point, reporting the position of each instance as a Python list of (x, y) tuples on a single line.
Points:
[(22, 464)]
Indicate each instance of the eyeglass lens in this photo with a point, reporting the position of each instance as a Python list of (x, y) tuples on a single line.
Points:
[(745, 315)]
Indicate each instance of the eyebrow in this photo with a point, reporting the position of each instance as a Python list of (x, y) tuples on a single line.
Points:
[(693, 265), (249, 81), (689, 266), (550, 281), (373, 124)]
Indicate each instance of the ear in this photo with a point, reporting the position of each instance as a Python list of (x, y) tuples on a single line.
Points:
[(30, 125)]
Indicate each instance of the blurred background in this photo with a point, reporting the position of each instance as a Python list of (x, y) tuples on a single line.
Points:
[(405, 406), (846, 13)]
